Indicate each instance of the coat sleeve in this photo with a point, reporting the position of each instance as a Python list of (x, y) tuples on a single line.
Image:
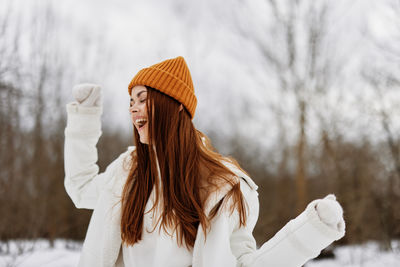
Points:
[(82, 181), (300, 240)]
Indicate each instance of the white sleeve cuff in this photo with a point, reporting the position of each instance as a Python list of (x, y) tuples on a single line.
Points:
[(83, 121)]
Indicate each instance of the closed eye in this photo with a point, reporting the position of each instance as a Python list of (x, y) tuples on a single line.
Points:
[(133, 102)]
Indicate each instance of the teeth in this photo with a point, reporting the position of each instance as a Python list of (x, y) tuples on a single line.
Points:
[(141, 121)]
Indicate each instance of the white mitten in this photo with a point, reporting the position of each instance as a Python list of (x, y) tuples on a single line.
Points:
[(88, 95), (330, 212)]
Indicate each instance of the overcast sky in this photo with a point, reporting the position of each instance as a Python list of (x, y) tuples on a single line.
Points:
[(228, 74)]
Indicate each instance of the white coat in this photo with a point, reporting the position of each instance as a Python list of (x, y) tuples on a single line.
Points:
[(298, 241)]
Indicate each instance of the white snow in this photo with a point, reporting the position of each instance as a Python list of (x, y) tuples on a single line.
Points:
[(65, 253), (38, 253), (366, 255)]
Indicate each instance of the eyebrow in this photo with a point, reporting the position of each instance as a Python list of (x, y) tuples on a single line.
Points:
[(138, 94)]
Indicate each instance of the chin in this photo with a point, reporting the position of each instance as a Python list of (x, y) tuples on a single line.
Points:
[(144, 142)]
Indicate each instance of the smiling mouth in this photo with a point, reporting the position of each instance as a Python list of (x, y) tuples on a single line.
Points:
[(141, 126), (140, 123)]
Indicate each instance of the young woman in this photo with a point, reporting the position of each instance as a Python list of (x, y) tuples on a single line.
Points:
[(171, 200)]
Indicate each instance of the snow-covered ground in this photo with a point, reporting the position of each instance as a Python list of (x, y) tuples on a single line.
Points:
[(66, 254), (366, 255), (39, 253)]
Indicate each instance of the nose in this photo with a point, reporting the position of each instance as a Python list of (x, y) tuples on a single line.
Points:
[(132, 109)]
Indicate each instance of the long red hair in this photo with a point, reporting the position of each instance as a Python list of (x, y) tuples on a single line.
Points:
[(190, 172)]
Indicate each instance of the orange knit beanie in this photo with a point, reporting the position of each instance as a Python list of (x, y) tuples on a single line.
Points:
[(172, 77)]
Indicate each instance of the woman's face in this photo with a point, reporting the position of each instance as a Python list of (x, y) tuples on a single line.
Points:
[(138, 111)]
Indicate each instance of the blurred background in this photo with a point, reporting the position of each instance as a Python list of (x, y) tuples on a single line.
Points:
[(304, 94)]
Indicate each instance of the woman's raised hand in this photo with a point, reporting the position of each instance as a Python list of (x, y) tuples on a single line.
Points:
[(330, 212), (88, 94)]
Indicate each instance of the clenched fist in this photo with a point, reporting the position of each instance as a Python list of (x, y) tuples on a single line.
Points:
[(330, 212), (88, 95)]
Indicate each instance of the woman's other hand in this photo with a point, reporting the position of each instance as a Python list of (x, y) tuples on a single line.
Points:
[(330, 212), (88, 94)]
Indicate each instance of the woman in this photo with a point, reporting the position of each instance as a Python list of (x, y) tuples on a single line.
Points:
[(171, 200)]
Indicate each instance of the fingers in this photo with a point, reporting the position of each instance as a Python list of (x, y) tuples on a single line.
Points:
[(330, 212), (330, 196), (94, 97), (87, 94), (82, 91), (99, 100), (341, 226)]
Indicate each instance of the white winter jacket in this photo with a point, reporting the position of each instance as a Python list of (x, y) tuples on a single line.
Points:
[(298, 241)]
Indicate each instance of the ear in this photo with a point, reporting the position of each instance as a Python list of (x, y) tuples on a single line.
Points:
[(180, 107)]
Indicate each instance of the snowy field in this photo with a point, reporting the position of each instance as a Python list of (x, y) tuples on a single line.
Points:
[(366, 255), (66, 254)]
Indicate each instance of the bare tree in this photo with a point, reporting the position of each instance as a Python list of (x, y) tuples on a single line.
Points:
[(293, 46), (384, 78), (32, 117)]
